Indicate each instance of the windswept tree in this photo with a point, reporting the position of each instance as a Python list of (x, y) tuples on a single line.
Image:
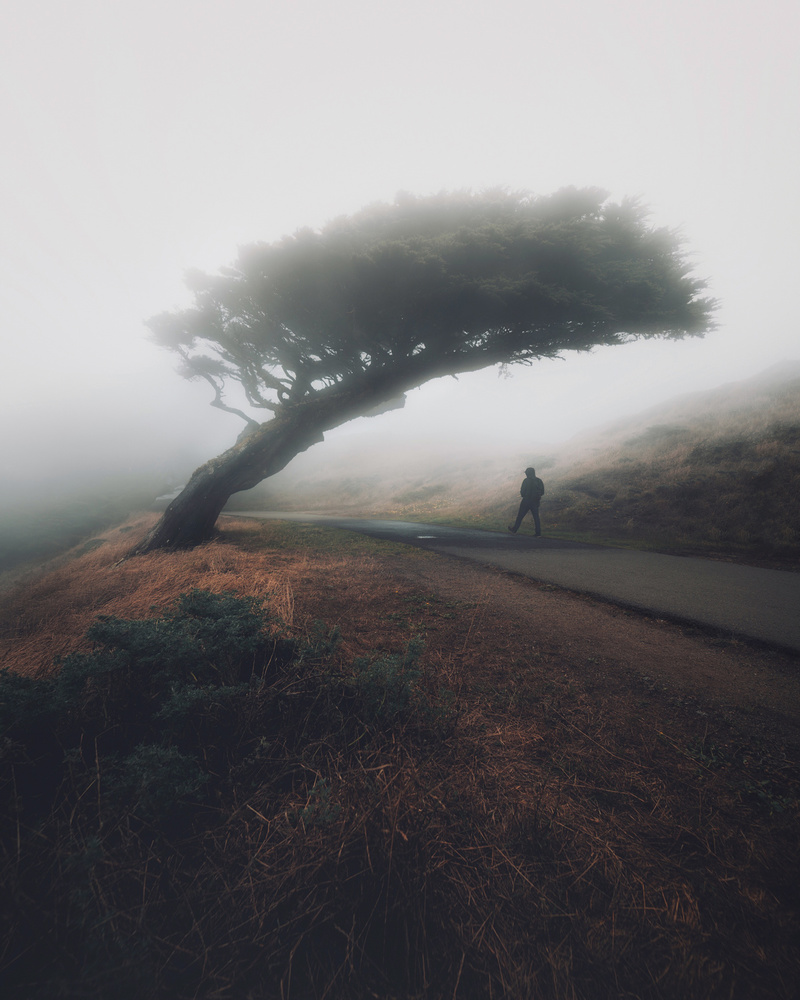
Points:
[(325, 326)]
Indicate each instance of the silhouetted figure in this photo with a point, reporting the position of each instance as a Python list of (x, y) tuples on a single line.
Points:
[(531, 491)]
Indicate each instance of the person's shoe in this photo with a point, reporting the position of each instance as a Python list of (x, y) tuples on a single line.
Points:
[(537, 534), (512, 529)]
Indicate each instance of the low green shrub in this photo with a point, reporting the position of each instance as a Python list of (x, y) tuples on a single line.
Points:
[(147, 745), (386, 685), (153, 780)]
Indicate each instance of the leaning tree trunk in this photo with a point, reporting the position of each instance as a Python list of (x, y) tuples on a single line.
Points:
[(191, 516)]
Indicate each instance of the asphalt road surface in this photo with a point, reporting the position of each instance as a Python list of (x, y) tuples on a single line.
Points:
[(761, 604)]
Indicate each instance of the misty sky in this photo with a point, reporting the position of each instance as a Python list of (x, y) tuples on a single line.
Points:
[(141, 139)]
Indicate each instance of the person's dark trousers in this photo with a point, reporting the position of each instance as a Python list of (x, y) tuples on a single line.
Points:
[(524, 507)]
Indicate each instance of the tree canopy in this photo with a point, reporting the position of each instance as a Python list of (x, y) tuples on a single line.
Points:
[(433, 286), (323, 326)]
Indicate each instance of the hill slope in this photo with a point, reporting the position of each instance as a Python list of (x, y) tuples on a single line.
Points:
[(715, 472)]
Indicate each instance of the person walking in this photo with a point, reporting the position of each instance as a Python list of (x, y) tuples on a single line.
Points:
[(531, 491)]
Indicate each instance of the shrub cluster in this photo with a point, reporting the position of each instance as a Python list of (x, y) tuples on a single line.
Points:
[(136, 785), (205, 805)]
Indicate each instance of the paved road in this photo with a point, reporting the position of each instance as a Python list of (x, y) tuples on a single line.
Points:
[(761, 604)]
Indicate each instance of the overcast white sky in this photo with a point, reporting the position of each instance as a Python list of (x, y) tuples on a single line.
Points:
[(141, 139)]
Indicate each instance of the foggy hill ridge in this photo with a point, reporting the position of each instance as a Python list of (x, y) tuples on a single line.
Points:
[(715, 471), (755, 393)]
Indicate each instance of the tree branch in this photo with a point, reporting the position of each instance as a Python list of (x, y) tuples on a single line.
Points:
[(219, 403)]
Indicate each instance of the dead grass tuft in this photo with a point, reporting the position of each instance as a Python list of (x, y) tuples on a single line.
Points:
[(47, 616)]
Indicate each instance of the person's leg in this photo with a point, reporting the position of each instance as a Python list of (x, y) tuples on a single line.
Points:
[(523, 510), (537, 523)]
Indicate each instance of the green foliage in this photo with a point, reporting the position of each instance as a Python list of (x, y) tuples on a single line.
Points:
[(764, 794), (24, 701), (152, 780), (153, 739), (209, 638), (140, 706), (398, 294), (386, 685), (320, 810), (321, 644), (146, 671)]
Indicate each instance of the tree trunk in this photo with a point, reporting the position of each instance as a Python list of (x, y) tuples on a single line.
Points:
[(191, 516)]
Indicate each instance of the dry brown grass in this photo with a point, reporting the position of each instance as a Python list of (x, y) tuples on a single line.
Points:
[(589, 825), (46, 615)]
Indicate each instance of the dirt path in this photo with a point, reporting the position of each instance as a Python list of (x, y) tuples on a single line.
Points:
[(518, 615), (749, 601)]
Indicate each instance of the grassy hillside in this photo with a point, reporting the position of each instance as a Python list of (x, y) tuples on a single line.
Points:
[(715, 473), (298, 763)]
